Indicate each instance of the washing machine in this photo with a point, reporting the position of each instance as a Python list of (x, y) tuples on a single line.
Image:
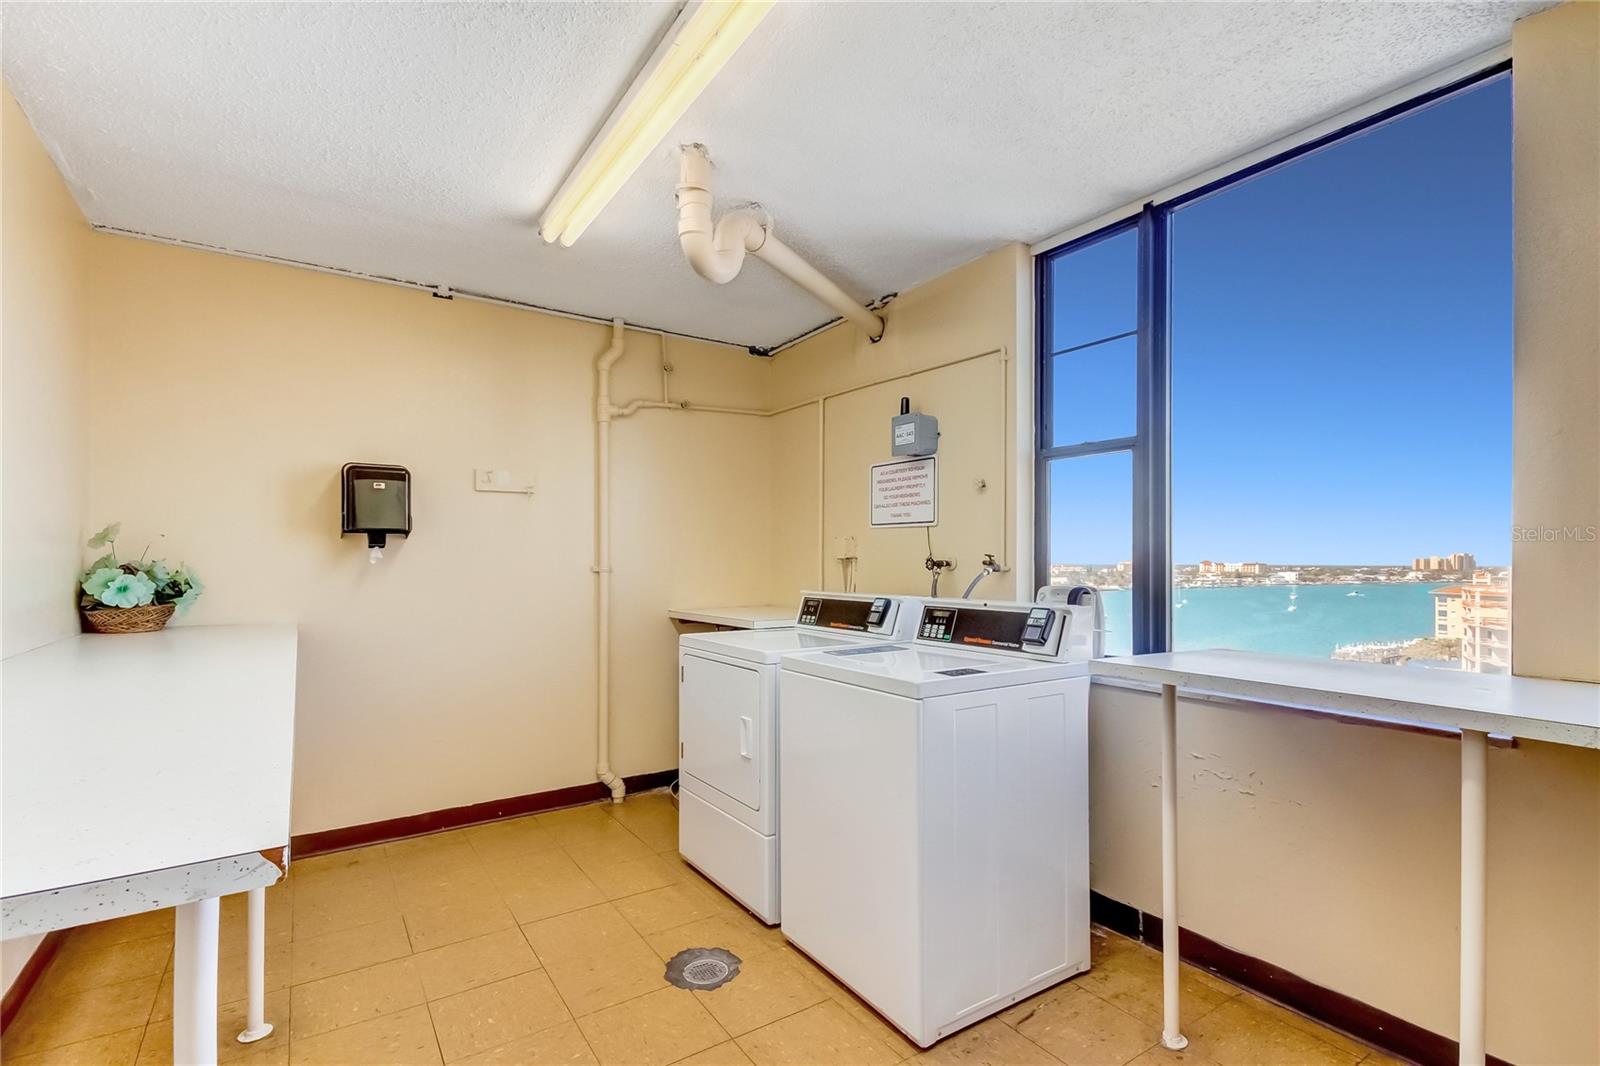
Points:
[(728, 715), (934, 831)]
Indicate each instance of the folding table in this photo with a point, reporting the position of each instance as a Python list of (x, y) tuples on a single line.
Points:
[(151, 770)]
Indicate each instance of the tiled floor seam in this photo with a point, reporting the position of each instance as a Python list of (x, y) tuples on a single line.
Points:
[(572, 1017), (433, 1026)]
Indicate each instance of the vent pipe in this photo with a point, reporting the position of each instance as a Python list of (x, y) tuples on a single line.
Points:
[(717, 251)]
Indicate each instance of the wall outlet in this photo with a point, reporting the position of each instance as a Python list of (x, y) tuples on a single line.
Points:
[(844, 547)]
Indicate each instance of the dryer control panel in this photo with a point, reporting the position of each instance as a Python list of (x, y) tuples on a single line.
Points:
[(849, 612), (1028, 628)]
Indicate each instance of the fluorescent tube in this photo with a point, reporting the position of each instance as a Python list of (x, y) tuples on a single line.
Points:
[(700, 42)]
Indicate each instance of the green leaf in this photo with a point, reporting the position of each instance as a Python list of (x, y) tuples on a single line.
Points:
[(106, 536), (106, 561)]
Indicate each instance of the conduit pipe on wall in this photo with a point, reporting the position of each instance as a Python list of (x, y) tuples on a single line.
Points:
[(717, 251), (604, 412)]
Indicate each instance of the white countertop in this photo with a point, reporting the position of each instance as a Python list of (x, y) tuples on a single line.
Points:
[(1560, 712), (137, 752), (759, 616)]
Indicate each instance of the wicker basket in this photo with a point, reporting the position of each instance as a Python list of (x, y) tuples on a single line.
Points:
[(146, 619)]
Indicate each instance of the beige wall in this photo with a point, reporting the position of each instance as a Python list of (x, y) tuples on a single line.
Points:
[(461, 667), (44, 357), (951, 346), (44, 388), (1556, 585)]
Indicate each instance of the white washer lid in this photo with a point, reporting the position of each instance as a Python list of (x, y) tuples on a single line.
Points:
[(919, 672), (767, 646)]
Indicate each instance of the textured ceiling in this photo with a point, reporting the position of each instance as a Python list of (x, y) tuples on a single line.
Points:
[(890, 141)]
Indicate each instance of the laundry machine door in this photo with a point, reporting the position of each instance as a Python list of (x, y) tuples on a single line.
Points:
[(724, 709)]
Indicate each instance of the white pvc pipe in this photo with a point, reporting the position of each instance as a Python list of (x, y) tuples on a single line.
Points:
[(256, 1024), (717, 250), (1474, 913), (602, 415), (194, 991), (785, 261), (1171, 1036)]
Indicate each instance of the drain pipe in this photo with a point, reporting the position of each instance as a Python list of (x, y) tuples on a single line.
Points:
[(605, 412), (717, 251), (602, 568)]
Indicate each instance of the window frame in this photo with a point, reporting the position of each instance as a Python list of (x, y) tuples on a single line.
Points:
[(1151, 444)]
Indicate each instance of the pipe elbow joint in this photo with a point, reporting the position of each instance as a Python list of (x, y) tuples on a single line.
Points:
[(713, 264)]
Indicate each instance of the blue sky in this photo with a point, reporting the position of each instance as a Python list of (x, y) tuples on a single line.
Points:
[(1341, 356)]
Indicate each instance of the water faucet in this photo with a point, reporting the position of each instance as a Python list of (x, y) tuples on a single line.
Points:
[(989, 567)]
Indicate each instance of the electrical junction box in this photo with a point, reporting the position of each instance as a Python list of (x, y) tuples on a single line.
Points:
[(912, 433)]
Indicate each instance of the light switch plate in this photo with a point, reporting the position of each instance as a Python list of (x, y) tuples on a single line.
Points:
[(485, 479)]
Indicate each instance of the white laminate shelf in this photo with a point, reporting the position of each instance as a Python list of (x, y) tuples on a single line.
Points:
[(135, 753), (1558, 712), (757, 616)]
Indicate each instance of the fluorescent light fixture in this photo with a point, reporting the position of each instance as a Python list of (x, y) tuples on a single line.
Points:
[(700, 42)]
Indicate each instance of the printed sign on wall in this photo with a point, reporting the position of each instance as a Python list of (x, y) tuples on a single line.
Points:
[(906, 492)]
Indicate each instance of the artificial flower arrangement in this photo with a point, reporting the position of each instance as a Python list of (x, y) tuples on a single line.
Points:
[(136, 597)]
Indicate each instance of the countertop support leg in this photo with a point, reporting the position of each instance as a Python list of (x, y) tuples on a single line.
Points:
[(194, 999), (1170, 1035), (1474, 915), (256, 1024)]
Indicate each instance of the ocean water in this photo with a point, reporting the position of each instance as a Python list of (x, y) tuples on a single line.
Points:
[(1257, 618)]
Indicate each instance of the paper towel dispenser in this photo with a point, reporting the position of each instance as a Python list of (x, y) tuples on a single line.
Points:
[(376, 501)]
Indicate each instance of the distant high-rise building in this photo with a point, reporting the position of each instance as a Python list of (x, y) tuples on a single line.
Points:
[(1478, 613), (1486, 624), (1455, 563)]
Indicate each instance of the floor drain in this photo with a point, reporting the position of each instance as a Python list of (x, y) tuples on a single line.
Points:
[(702, 968)]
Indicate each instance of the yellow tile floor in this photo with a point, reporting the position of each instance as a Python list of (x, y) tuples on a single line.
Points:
[(543, 940)]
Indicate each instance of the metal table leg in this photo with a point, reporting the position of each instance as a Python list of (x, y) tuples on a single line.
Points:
[(256, 1024), (194, 999), (1171, 1037), (1474, 916)]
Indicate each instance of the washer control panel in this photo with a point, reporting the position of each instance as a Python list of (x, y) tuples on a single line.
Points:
[(1021, 627)]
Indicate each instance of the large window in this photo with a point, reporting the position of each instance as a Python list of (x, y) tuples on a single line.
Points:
[(1088, 420), (1275, 412)]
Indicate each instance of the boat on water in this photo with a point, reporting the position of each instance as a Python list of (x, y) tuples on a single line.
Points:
[(1353, 593)]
